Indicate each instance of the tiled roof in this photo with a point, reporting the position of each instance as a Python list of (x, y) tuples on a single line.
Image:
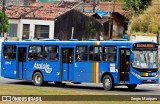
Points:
[(39, 10), (49, 11), (109, 6), (16, 11), (106, 6), (89, 6)]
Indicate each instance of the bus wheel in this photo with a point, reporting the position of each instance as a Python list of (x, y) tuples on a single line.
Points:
[(131, 86), (107, 82), (37, 79)]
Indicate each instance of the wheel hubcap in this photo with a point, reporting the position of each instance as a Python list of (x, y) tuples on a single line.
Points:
[(107, 82), (38, 79)]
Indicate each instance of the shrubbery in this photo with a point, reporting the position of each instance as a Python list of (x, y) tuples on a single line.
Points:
[(149, 21)]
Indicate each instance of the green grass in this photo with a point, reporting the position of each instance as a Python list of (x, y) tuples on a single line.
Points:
[(33, 90), (144, 34)]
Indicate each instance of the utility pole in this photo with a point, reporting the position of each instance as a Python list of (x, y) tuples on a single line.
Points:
[(114, 5), (110, 18), (3, 17), (94, 5), (72, 32)]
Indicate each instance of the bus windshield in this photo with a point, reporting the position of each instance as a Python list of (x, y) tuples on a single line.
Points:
[(145, 59)]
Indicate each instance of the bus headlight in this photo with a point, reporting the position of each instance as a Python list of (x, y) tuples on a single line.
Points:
[(137, 75)]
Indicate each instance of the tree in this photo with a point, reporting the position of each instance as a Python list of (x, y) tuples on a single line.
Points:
[(135, 6), (5, 22), (91, 29)]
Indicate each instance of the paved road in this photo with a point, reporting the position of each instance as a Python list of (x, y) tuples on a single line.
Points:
[(122, 90)]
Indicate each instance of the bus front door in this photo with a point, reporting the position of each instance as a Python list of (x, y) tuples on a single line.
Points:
[(67, 64), (124, 66), (21, 62)]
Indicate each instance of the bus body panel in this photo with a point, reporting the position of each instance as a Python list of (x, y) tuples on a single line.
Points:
[(85, 71), (20, 73), (65, 72), (93, 71), (134, 79), (71, 71), (49, 69), (9, 69)]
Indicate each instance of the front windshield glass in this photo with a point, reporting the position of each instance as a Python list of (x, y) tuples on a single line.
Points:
[(145, 59)]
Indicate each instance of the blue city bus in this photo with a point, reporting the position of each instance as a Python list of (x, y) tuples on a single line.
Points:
[(112, 63)]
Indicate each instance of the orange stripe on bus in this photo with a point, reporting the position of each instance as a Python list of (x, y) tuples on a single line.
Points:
[(96, 71)]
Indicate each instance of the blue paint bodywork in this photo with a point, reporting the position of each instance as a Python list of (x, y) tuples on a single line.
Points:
[(75, 72)]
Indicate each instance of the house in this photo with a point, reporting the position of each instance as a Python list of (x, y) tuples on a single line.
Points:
[(84, 27), (57, 20), (118, 17), (47, 20), (34, 21), (114, 18)]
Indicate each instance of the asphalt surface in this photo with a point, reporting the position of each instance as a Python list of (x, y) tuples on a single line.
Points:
[(118, 90)]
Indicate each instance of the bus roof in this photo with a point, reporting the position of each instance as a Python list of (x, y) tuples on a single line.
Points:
[(71, 43)]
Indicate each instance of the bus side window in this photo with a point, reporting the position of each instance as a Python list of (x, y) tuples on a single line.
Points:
[(78, 57), (30, 56), (56, 57), (51, 53), (109, 54), (9, 52), (82, 53), (111, 58), (95, 53), (35, 52), (6, 56), (91, 58)]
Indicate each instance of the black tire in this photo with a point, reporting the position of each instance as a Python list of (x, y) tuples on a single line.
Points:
[(37, 79), (131, 86), (107, 82)]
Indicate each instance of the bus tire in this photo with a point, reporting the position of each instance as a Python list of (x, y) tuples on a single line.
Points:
[(37, 79), (107, 82), (131, 86)]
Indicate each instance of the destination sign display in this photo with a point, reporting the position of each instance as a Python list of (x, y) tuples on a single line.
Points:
[(145, 45)]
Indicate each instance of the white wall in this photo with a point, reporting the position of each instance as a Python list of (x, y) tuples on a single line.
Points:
[(117, 29), (32, 23), (14, 21), (37, 22), (143, 38), (114, 25)]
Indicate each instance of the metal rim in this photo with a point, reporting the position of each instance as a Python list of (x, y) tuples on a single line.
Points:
[(107, 82), (38, 79)]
